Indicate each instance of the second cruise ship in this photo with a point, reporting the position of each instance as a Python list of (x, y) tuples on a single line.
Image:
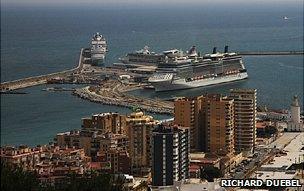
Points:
[(98, 48), (192, 70)]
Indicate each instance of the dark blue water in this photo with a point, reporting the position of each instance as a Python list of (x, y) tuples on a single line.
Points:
[(42, 40), (276, 79), (36, 117)]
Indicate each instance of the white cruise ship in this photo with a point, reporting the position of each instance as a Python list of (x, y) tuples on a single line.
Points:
[(142, 57), (191, 71), (98, 48)]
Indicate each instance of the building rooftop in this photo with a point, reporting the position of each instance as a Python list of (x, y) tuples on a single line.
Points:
[(197, 155), (260, 125), (292, 144), (281, 142), (140, 117), (168, 128)]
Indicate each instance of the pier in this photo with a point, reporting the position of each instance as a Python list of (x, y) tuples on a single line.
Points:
[(82, 71), (113, 92), (42, 79), (270, 53)]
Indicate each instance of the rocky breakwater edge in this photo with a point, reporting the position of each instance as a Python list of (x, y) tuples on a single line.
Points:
[(114, 92)]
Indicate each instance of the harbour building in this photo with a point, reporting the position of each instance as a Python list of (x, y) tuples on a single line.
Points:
[(139, 131), (245, 118), (170, 161)]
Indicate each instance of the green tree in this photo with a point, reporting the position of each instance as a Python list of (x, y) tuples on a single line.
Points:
[(15, 178), (210, 173)]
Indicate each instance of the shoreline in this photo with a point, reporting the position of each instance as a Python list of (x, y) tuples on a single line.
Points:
[(119, 98)]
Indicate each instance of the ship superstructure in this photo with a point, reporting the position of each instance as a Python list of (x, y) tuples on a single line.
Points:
[(142, 57), (191, 70), (98, 48)]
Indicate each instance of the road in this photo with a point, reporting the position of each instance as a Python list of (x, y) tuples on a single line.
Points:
[(246, 169), (42, 79)]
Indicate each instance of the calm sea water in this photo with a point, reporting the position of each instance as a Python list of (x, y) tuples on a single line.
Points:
[(42, 40)]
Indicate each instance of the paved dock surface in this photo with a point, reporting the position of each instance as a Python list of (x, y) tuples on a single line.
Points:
[(42, 79)]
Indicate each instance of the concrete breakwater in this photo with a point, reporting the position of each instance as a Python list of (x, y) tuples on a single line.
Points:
[(42, 79), (269, 53), (149, 105)]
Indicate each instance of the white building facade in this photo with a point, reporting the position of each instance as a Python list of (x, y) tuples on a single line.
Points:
[(295, 124)]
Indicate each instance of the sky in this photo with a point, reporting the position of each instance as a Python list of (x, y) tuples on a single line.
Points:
[(142, 2)]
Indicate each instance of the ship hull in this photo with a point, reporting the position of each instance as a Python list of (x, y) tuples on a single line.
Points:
[(130, 63), (98, 49), (97, 58), (182, 84)]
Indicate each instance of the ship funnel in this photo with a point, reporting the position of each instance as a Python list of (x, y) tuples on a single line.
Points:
[(226, 49), (214, 50)]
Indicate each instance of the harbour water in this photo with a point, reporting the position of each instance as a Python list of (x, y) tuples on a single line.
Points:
[(42, 40), (276, 78)]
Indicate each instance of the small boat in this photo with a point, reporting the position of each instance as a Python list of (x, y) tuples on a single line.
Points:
[(148, 87)]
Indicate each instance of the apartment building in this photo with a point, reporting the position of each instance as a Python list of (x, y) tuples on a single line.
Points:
[(245, 118), (170, 158), (105, 122), (139, 131)]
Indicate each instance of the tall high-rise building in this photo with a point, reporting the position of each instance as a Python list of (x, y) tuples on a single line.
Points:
[(245, 118), (216, 127), (139, 131), (220, 124), (186, 112), (170, 154), (210, 119)]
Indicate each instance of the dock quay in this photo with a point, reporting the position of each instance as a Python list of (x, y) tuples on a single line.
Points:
[(86, 74), (114, 93), (269, 53), (42, 79)]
